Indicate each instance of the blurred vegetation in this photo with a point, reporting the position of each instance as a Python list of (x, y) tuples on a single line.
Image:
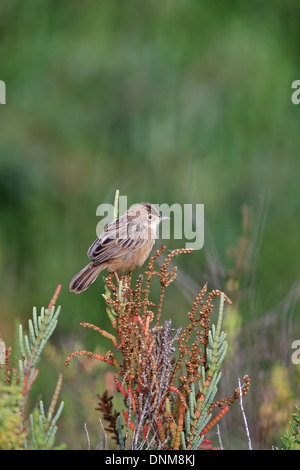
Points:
[(178, 101)]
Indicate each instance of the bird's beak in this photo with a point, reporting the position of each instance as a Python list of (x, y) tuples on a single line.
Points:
[(164, 217)]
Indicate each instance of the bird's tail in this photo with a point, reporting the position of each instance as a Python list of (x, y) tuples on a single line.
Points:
[(85, 277)]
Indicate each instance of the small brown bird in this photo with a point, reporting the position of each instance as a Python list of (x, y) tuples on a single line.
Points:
[(124, 245)]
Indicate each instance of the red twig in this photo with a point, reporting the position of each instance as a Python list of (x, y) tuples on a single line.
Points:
[(54, 298), (126, 416), (121, 389), (215, 420)]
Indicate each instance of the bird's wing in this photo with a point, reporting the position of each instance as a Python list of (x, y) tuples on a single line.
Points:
[(117, 239)]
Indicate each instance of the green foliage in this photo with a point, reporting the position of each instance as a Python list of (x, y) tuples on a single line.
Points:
[(291, 438), (12, 436), (43, 428), (40, 330), (17, 431)]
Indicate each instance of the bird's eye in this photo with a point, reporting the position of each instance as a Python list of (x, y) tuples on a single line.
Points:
[(150, 216)]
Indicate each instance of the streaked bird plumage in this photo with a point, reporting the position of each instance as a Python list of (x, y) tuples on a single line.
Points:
[(123, 246)]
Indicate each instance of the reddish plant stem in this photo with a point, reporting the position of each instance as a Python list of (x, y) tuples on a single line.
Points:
[(215, 420)]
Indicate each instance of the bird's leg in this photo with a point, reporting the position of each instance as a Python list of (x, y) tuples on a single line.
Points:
[(117, 277)]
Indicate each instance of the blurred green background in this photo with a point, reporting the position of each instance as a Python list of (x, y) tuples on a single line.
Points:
[(183, 101)]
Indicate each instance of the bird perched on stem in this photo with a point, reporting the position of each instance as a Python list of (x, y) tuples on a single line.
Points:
[(123, 246)]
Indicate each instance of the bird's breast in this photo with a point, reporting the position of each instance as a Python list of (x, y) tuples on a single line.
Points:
[(131, 259)]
